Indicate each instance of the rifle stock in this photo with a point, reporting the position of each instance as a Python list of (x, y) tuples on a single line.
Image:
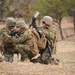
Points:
[(49, 48), (33, 23)]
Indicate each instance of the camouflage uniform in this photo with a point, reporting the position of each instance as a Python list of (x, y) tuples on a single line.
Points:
[(7, 43), (50, 34)]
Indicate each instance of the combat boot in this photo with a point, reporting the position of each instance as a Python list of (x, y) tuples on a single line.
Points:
[(1, 59), (37, 60), (54, 61), (8, 58), (11, 58), (22, 59), (35, 57)]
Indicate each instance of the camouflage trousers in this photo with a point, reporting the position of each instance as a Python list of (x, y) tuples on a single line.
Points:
[(46, 58), (8, 54), (23, 50)]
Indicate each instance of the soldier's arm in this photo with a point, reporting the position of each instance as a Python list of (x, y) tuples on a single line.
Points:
[(4, 35), (3, 30), (21, 39), (50, 34)]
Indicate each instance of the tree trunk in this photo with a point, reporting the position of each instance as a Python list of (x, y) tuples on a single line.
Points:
[(74, 22), (39, 21), (0, 14), (61, 33)]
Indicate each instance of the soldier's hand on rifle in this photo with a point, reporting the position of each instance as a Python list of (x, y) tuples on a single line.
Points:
[(6, 35), (40, 31)]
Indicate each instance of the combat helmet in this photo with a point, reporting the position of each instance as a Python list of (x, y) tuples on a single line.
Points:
[(21, 23), (10, 21), (48, 20)]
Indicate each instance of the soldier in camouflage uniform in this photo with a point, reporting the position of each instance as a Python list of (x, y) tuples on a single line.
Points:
[(50, 34), (7, 47), (24, 41), (20, 38)]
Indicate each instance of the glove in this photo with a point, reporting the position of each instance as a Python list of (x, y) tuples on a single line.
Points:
[(6, 35)]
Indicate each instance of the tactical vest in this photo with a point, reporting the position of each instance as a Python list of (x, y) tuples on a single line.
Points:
[(32, 43)]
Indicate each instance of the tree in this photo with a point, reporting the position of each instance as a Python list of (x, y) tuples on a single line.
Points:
[(4, 6), (71, 9), (55, 8), (23, 10), (11, 7)]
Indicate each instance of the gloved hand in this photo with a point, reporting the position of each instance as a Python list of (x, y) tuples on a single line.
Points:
[(6, 35)]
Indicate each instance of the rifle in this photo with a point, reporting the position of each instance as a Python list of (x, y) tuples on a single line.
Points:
[(33, 24), (13, 32), (49, 48)]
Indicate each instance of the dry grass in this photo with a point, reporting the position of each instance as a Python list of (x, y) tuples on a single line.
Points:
[(65, 53)]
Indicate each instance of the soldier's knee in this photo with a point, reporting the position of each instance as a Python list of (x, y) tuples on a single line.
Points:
[(26, 47), (22, 47)]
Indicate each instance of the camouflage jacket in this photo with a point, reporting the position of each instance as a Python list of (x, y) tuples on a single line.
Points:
[(5, 41), (3, 37), (50, 34), (21, 38), (4, 30), (27, 37)]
